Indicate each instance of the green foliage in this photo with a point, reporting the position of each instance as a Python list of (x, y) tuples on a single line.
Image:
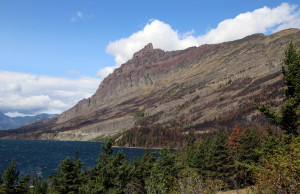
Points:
[(279, 171), (139, 116), (23, 185), (110, 175), (68, 178), (288, 118), (189, 181), (107, 148), (248, 154), (11, 177), (213, 158), (39, 186), (202, 157), (271, 144), (204, 167), (222, 163), (291, 72), (1, 182), (11, 182), (164, 172)]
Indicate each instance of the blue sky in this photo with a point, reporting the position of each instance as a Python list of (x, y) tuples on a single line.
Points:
[(46, 43)]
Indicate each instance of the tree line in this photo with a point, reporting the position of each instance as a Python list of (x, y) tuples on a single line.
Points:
[(226, 161)]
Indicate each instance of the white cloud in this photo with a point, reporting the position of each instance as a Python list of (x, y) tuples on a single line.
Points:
[(77, 16), (263, 20), (32, 94), (157, 32), (106, 71), (74, 72), (161, 35)]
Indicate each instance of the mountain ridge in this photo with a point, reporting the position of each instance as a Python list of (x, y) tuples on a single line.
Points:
[(194, 88), (7, 122)]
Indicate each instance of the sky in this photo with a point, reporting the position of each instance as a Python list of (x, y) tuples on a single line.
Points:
[(53, 53)]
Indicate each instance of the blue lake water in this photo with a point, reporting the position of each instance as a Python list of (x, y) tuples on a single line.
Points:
[(43, 157)]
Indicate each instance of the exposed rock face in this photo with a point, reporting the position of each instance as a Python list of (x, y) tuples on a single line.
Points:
[(194, 86)]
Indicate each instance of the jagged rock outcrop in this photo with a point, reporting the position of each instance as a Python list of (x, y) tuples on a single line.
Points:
[(199, 87)]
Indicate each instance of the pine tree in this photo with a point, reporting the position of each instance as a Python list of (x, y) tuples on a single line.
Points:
[(190, 147), (247, 155), (164, 172), (11, 177), (201, 160), (222, 163), (23, 185), (271, 144), (288, 118), (39, 186), (1, 182), (68, 178), (249, 144), (110, 175)]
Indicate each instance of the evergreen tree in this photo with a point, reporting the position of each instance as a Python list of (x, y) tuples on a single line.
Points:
[(222, 163), (190, 147), (39, 186), (271, 144), (288, 118), (107, 148), (247, 155), (136, 183), (68, 178), (23, 185), (11, 177), (147, 163), (110, 175), (140, 171), (1, 186), (249, 145), (201, 160), (164, 172)]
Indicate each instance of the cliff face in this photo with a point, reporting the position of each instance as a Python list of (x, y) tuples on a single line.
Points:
[(199, 87)]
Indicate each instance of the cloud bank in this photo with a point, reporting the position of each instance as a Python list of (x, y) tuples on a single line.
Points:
[(264, 20), (33, 94)]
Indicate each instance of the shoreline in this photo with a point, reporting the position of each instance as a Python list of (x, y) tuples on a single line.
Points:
[(155, 148)]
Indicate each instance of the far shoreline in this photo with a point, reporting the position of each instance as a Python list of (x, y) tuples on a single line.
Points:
[(130, 147)]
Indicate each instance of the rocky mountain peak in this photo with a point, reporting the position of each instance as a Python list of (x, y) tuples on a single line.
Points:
[(148, 48)]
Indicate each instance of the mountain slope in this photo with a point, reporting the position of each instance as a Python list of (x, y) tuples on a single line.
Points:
[(200, 87), (7, 122)]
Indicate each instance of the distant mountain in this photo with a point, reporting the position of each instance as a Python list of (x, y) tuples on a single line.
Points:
[(199, 88), (7, 122)]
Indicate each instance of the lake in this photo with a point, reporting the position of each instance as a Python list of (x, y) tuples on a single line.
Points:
[(43, 157)]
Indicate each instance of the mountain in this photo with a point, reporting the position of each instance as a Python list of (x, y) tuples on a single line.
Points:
[(7, 122), (201, 88)]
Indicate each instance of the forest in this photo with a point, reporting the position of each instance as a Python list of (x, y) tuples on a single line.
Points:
[(263, 161)]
